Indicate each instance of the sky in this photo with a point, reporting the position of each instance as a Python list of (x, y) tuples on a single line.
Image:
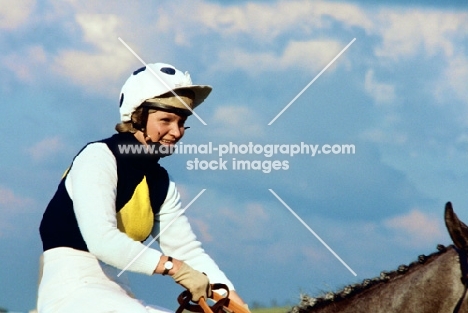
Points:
[(397, 94)]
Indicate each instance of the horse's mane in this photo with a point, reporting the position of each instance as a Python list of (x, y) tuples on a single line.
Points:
[(347, 292)]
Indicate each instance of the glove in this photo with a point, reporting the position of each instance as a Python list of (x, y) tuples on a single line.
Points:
[(197, 283)]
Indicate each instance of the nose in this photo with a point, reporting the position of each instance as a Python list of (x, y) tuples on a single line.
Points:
[(176, 131)]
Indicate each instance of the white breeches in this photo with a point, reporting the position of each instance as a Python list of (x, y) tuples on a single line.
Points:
[(75, 281)]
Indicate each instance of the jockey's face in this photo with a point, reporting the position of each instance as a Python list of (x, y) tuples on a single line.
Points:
[(165, 128)]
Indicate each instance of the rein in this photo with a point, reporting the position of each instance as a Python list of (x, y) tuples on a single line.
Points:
[(222, 305), (463, 256)]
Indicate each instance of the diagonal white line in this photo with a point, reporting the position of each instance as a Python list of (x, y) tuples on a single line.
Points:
[(313, 233), (162, 231), (161, 80), (313, 80)]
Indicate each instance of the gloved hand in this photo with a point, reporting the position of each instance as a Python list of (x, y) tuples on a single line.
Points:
[(197, 283)]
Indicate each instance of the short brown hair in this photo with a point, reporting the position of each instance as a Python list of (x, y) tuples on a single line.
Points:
[(136, 121)]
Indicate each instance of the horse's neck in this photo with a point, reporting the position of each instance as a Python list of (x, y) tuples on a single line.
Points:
[(426, 288)]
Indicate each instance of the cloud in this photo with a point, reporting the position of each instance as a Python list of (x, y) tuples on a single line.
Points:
[(25, 64), (350, 15), (381, 92), (235, 121), (406, 33), (259, 229), (11, 205), (415, 228), (14, 14), (457, 74), (45, 148), (236, 229), (265, 21), (99, 66), (100, 30), (261, 25), (247, 222), (453, 79), (8, 198), (252, 214), (98, 71), (203, 229), (311, 56), (384, 136)]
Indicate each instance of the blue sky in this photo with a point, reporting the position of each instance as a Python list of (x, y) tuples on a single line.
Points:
[(398, 94)]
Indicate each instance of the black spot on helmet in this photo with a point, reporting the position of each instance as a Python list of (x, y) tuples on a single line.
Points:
[(141, 69), (121, 100), (168, 70)]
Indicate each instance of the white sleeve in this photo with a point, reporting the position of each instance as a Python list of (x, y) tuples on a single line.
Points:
[(92, 186), (178, 240)]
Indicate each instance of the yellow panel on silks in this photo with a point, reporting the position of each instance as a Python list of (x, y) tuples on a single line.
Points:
[(136, 218), (65, 173)]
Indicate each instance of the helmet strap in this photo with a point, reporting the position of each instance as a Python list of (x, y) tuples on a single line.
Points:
[(141, 125), (144, 121)]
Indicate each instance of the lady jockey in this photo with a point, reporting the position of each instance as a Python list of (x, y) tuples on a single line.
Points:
[(109, 201)]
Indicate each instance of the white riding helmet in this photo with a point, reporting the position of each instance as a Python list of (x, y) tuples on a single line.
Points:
[(146, 84)]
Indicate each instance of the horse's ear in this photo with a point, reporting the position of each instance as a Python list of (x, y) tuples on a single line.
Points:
[(457, 229)]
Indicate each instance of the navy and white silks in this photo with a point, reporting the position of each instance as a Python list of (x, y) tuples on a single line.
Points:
[(106, 205)]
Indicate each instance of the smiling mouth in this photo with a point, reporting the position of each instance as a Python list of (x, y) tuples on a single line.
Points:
[(167, 142)]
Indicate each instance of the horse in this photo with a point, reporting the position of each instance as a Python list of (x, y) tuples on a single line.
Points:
[(436, 283)]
